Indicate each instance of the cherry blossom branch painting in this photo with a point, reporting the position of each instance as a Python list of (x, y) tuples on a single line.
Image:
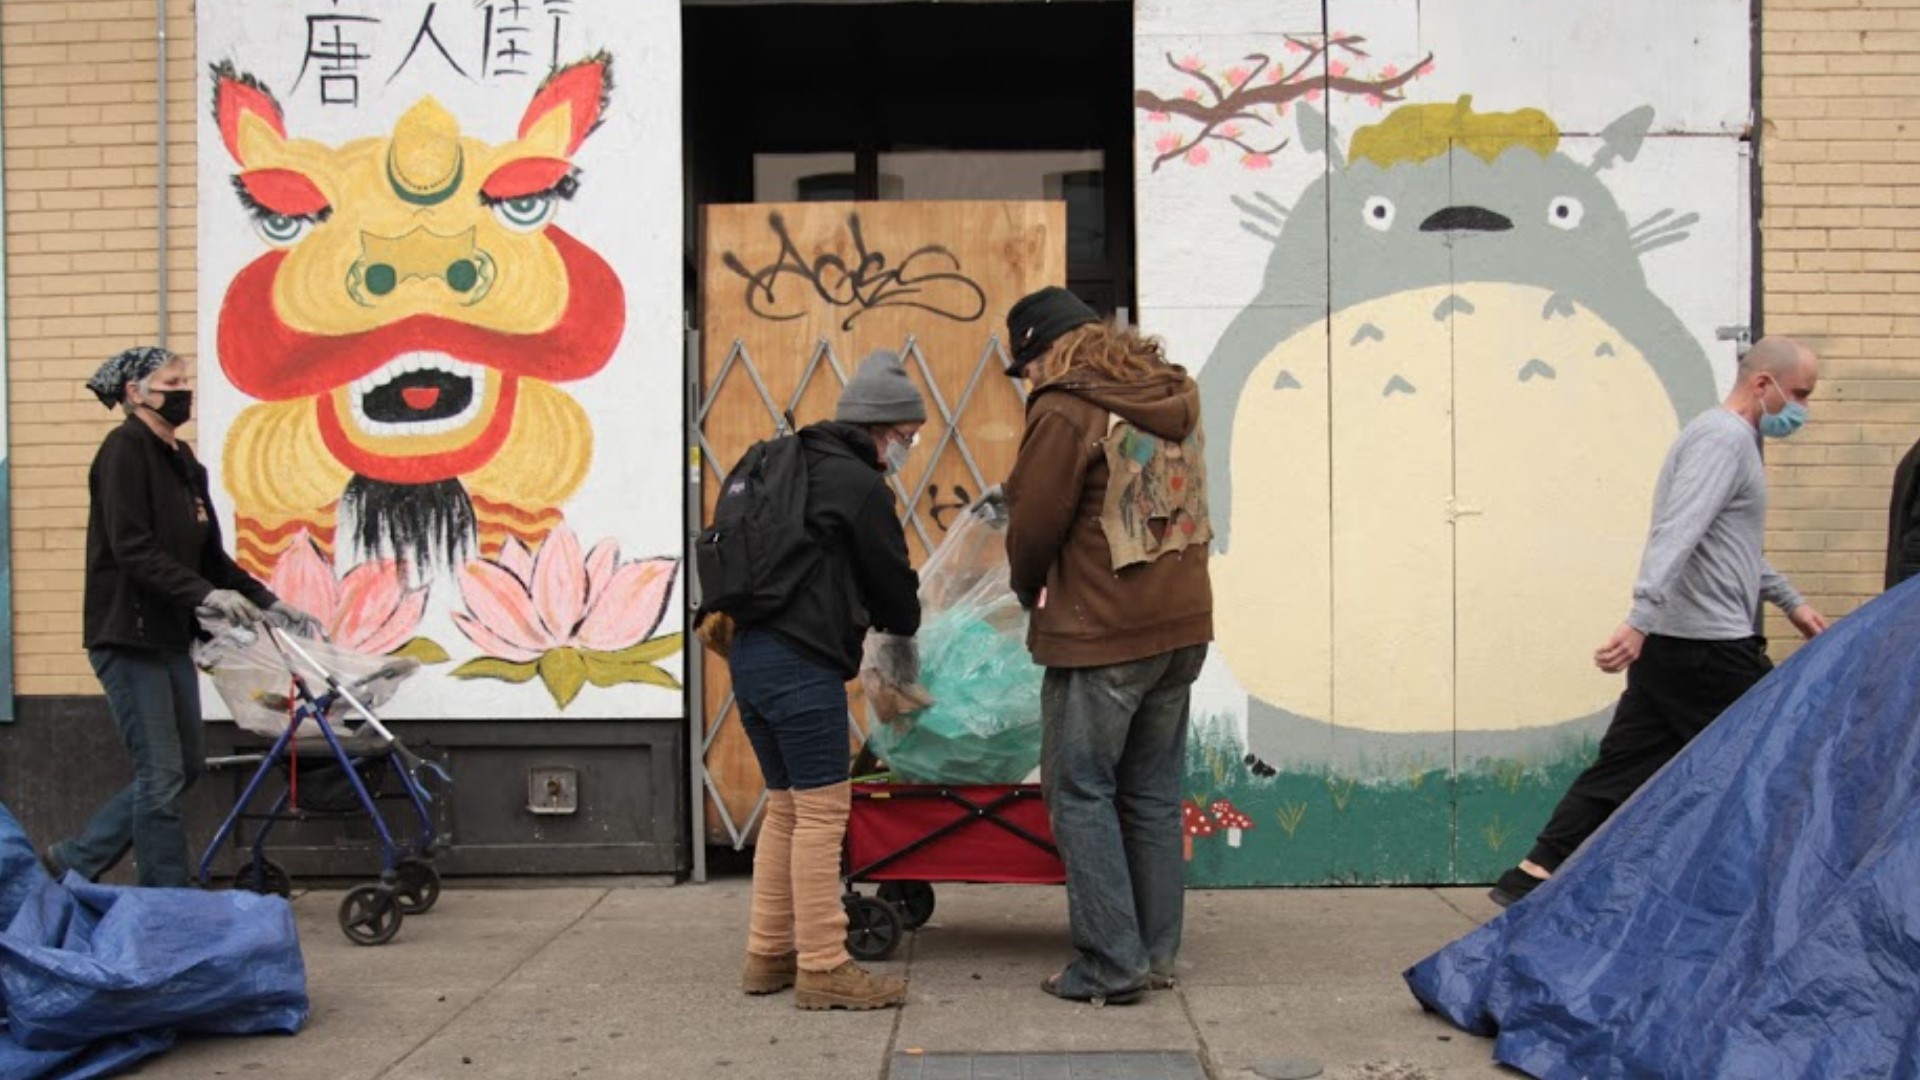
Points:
[(370, 610), (571, 619), (1240, 108)]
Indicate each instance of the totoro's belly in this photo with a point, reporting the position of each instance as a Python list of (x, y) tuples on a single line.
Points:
[(1440, 499)]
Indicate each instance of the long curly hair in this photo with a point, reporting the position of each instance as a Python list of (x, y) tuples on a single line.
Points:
[(1103, 352)]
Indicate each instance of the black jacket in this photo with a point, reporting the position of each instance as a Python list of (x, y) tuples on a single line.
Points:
[(153, 544), (864, 579), (1903, 520)]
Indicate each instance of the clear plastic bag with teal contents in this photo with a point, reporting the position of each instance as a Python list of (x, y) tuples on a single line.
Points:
[(984, 724)]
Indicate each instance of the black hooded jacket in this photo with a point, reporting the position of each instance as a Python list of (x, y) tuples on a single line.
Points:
[(864, 579), (153, 544)]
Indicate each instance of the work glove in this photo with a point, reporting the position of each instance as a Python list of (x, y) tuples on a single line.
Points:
[(235, 609), (289, 619), (892, 677), (716, 630), (992, 506)]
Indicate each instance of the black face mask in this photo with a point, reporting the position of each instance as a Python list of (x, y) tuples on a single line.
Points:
[(176, 406)]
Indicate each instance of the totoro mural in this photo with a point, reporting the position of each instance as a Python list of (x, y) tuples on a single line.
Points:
[(1435, 418)]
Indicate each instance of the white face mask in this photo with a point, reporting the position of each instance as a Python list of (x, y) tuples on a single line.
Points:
[(896, 455)]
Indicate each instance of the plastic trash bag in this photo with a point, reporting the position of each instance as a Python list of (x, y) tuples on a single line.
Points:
[(108, 1057), (85, 975), (20, 872), (1750, 912), (255, 679), (82, 963), (983, 725)]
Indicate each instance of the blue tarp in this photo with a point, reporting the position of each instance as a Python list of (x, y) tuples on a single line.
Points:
[(1753, 912), (94, 978)]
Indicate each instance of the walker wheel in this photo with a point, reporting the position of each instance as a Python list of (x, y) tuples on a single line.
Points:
[(873, 928), (912, 899), (264, 876), (419, 887), (370, 915)]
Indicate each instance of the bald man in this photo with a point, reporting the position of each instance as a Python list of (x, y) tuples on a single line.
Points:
[(1688, 646)]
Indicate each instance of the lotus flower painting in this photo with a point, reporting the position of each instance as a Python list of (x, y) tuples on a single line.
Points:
[(369, 610), (569, 617)]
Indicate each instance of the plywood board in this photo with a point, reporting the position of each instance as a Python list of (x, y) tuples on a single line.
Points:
[(792, 297)]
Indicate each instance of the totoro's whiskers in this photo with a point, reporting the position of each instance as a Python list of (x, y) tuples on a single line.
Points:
[(1651, 222), (1255, 229), (1661, 230), (1262, 209), (1662, 222)]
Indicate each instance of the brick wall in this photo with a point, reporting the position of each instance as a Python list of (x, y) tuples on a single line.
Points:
[(1841, 237), (81, 170)]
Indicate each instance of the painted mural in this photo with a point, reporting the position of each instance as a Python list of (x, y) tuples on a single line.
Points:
[(451, 373), (1455, 310)]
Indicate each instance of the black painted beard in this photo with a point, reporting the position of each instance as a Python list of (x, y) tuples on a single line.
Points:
[(426, 526)]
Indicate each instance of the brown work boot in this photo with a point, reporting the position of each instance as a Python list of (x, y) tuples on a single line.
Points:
[(769, 974), (848, 986)]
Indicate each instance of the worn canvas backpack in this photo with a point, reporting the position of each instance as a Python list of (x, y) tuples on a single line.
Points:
[(756, 554), (1156, 494)]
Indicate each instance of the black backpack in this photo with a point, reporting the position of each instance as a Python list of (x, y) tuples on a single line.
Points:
[(756, 555)]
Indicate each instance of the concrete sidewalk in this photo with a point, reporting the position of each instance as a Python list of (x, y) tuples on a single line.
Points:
[(641, 981)]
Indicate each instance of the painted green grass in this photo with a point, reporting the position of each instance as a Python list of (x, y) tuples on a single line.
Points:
[(1328, 826)]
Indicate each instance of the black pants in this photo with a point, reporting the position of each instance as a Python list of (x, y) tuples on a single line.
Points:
[(1676, 688)]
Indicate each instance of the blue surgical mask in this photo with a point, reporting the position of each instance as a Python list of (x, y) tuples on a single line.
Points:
[(1779, 425)]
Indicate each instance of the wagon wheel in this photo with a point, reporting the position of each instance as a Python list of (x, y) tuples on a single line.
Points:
[(912, 899), (369, 915), (873, 928), (419, 887), (264, 876)]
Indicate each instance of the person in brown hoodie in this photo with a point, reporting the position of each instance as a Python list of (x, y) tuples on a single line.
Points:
[(1107, 543)]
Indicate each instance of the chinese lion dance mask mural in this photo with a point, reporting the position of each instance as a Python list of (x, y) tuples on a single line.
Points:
[(407, 331)]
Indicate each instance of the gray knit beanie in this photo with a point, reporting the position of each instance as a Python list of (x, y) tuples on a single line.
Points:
[(881, 393)]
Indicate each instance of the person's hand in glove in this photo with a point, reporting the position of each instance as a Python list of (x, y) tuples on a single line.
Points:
[(992, 505), (284, 616), (895, 689), (229, 605)]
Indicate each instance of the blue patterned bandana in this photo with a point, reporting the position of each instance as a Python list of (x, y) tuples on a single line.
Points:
[(109, 384)]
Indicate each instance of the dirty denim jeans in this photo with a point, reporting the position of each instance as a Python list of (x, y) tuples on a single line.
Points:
[(1112, 753), (155, 701)]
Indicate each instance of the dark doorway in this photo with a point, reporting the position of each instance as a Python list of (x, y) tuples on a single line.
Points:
[(920, 101)]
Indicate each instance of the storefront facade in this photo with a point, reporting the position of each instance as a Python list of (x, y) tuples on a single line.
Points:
[(478, 317)]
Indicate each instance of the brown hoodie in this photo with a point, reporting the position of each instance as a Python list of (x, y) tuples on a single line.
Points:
[(1085, 613)]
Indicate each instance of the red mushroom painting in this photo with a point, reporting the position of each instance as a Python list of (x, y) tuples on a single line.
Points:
[(1231, 819), (1196, 823)]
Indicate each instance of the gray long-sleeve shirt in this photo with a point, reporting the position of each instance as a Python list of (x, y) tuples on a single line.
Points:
[(1703, 573)]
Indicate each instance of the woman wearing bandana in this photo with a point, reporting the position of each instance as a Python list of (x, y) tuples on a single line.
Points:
[(154, 559)]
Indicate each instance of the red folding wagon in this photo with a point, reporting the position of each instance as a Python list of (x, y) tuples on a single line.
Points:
[(907, 837)]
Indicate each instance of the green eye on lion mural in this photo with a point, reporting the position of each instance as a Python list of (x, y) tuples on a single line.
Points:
[(1436, 431)]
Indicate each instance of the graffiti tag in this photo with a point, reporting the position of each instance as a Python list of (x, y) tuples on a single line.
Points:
[(928, 278), (941, 512)]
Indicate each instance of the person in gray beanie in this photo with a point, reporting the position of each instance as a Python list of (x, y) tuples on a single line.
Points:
[(882, 399), (789, 678)]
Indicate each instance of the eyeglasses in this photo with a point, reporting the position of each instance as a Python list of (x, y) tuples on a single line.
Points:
[(911, 438)]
